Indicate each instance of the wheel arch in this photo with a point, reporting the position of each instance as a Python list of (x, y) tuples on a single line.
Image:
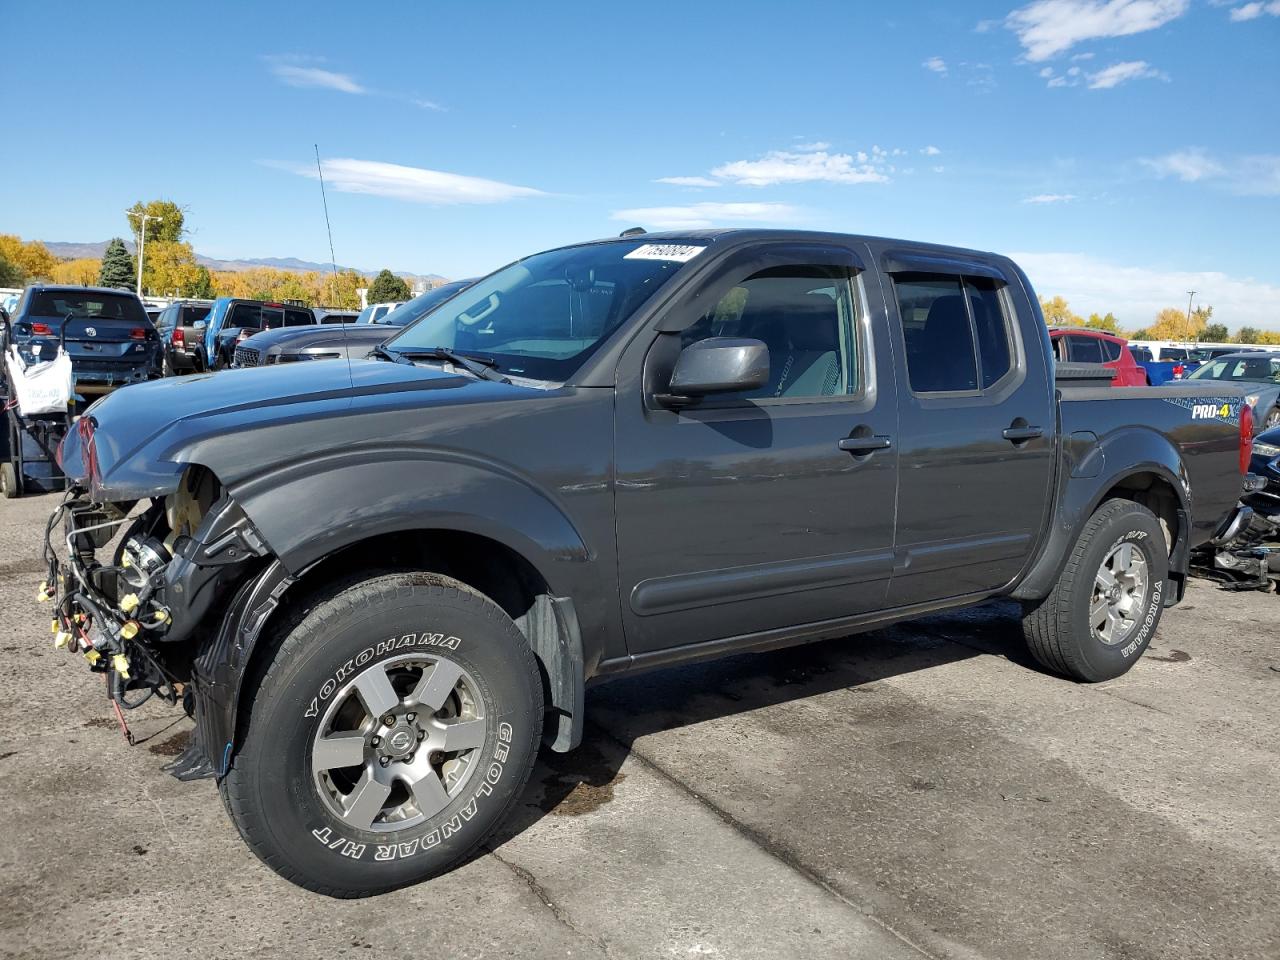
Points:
[(1158, 485), (269, 597)]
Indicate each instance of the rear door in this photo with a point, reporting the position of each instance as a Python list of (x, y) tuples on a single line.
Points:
[(977, 425)]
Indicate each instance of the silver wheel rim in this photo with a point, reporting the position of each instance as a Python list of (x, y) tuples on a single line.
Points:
[(1119, 594), (398, 743)]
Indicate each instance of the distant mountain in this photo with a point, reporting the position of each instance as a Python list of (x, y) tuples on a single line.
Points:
[(76, 251)]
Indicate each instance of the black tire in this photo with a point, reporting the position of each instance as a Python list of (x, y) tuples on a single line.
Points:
[(167, 369), (9, 481), (281, 808), (1058, 629)]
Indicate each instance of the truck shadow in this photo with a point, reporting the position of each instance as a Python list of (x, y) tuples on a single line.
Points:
[(623, 710)]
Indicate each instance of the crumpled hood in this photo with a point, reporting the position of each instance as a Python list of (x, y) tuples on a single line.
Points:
[(135, 441)]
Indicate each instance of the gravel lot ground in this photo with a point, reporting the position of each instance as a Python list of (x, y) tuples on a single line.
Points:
[(921, 791)]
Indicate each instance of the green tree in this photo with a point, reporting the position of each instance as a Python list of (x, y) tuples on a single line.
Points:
[(387, 287), (203, 285), (1215, 333), (118, 268), (1108, 323), (1247, 335), (11, 274), (170, 225), (1143, 334)]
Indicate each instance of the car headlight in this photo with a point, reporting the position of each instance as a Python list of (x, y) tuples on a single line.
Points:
[(1265, 449)]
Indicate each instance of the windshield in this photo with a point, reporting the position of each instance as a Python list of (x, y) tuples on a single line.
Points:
[(543, 316), (1263, 369), (411, 310), (83, 305)]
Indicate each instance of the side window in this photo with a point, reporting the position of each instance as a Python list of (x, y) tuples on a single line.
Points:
[(297, 318), (935, 327), (1110, 350), (1085, 349), (245, 315), (804, 315), (995, 355)]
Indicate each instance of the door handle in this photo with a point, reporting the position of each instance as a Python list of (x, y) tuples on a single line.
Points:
[(861, 445), (1022, 434)]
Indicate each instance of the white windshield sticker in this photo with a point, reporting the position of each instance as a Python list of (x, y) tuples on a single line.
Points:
[(680, 252)]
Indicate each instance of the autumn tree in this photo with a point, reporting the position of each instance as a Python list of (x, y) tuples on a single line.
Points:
[(1174, 324), (1058, 314), (1270, 338), (1247, 335), (341, 290), (32, 258), (169, 225), (1108, 323), (83, 272), (202, 288), (118, 269), (387, 287), (169, 268)]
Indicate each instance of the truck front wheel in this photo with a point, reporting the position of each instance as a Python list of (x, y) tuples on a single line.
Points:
[(1106, 605), (388, 735)]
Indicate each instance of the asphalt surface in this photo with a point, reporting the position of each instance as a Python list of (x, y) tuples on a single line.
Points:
[(921, 791)]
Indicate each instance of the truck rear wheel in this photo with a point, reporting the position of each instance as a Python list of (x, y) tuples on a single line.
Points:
[(1106, 605), (389, 734)]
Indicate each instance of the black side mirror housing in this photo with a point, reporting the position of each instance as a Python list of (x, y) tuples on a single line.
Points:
[(717, 365)]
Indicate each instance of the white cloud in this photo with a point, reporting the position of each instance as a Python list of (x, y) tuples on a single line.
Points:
[(937, 65), (931, 151), (1252, 11), (1119, 73), (427, 104), (1083, 56), (700, 215), (1188, 165), (813, 147), (299, 76), (1046, 28), (688, 181), (1050, 198), (415, 184), (780, 166), (1136, 294)]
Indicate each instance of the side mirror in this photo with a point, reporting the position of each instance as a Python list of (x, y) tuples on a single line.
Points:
[(717, 365)]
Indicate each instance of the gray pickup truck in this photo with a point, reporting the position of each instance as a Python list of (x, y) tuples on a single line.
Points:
[(377, 585)]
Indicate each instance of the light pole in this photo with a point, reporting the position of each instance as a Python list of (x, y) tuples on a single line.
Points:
[(1191, 295), (142, 243)]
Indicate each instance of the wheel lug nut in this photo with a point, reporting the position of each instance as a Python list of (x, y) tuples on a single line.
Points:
[(409, 758), (384, 760), (422, 734), (375, 742), (410, 717), (389, 719)]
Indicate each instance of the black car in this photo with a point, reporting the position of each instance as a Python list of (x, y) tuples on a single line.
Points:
[(389, 579), (1265, 462), (325, 315), (350, 340), (181, 329), (247, 317), (106, 332)]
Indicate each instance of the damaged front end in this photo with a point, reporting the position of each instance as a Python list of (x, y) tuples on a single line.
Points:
[(151, 615)]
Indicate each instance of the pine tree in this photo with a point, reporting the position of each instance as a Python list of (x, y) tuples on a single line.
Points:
[(118, 268), (386, 288)]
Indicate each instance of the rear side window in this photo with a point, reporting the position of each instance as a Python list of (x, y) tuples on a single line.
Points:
[(245, 315), (297, 318), (956, 331), (1110, 350), (192, 315), (1084, 349)]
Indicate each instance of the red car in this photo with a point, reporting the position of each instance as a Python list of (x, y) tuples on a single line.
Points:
[(1081, 345)]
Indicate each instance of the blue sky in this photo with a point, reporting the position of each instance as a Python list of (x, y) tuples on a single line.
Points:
[(1126, 150)]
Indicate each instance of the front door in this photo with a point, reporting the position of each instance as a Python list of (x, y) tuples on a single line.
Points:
[(977, 429), (743, 514)]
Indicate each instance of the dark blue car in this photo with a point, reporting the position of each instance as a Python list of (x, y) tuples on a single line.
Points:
[(107, 333)]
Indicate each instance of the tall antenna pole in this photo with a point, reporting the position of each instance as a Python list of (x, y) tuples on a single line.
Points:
[(333, 261), (1191, 295)]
